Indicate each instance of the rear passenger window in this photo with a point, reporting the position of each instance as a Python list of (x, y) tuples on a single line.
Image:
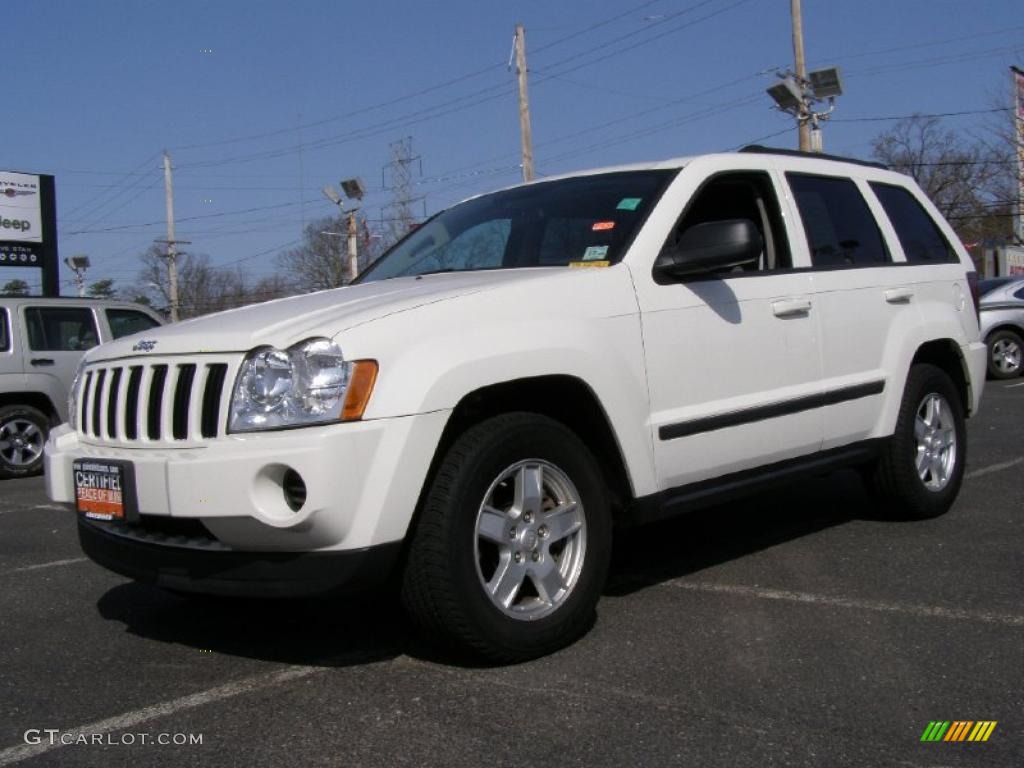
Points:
[(5, 336), (125, 322), (841, 232), (920, 237), (60, 329)]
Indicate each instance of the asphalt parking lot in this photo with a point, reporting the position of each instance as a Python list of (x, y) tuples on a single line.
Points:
[(793, 629)]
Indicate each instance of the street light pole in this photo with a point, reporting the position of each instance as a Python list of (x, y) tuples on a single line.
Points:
[(353, 247)]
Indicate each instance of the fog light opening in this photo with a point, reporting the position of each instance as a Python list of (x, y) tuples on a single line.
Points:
[(294, 488)]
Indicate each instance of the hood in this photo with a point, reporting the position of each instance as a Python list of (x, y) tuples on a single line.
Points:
[(284, 322)]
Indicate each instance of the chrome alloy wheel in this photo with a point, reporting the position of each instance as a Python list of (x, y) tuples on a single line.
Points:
[(1006, 356), (21, 442), (531, 538), (935, 434)]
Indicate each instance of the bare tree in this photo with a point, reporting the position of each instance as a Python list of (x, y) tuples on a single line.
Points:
[(202, 287), (965, 179), (321, 261)]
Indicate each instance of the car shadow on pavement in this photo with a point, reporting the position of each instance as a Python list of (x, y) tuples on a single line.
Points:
[(646, 555), (330, 632), (371, 627)]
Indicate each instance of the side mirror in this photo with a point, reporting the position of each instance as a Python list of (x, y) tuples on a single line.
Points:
[(711, 246)]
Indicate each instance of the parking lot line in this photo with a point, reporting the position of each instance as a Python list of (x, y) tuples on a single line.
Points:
[(12, 755), (17, 508), (51, 564), (1014, 386), (994, 468), (930, 611)]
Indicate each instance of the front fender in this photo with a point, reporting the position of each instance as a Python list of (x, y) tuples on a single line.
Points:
[(432, 357)]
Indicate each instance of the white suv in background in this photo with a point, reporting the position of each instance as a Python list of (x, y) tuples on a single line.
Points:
[(42, 341), (526, 371)]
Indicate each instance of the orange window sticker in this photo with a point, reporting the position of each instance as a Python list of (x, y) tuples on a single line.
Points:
[(602, 226), (576, 264)]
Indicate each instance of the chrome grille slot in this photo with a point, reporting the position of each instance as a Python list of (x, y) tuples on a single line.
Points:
[(156, 398), (168, 401), (182, 396), (97, 401), (112, 391), (215, 376), (83, 419), (131, 407)]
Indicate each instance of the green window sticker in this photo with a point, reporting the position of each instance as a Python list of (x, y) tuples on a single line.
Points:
[(629, 203), (595, 253)]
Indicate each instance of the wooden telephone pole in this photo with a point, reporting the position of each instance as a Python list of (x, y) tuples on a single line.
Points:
[(800, 65), (524, 103), (172, 250)]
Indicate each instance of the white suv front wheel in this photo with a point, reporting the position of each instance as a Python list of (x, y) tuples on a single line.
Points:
[(510, 550)]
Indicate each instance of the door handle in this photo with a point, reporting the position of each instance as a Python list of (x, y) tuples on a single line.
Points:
[(791, 307), (41, 361), (899, 295)]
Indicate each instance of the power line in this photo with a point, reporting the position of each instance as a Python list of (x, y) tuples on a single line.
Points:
[(885, 118), (475, 98), (416, 94)]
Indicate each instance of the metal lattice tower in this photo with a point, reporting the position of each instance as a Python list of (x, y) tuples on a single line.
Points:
[(398, 177)]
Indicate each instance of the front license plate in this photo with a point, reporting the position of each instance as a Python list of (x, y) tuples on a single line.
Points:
[(103, 488)]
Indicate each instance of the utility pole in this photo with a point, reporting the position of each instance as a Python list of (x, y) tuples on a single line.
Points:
[(519, 43), (803, 116), (172, 251), (1018, 135), (353, 248)]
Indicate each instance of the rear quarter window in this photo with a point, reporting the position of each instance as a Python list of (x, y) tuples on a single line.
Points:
[(5, 334), (921, 238)]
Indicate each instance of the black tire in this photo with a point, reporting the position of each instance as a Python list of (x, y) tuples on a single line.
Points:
[(895, 479), (15, 457), (442, 583), (1001, 344)]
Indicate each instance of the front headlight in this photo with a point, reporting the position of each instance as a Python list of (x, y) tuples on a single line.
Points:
[(304, 384)]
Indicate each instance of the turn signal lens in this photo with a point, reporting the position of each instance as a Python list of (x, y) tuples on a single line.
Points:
[(360, 387)]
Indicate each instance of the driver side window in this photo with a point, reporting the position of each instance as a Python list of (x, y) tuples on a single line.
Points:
[(740, 195)]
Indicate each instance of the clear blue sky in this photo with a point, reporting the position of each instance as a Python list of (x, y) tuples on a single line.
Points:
[(95, 90)]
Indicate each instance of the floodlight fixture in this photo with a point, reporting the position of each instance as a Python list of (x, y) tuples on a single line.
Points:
[(826, 83), (353, 188), (787, 94), (76, 263), (332, 194)]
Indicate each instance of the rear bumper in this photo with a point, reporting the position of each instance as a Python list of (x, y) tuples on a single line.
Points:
[(976, 359), (222, 571)]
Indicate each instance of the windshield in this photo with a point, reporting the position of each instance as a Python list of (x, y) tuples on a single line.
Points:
[(585, 220)]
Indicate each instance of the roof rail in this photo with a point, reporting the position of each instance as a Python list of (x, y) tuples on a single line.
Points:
[(760, 150)]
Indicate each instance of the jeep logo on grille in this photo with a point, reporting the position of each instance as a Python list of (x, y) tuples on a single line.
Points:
[(143, 346)]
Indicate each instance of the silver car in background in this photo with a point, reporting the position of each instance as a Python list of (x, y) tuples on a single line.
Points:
[(1002, 324)]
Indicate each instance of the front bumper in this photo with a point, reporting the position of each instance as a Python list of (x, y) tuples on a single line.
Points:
[(362, 482), (228, 572)]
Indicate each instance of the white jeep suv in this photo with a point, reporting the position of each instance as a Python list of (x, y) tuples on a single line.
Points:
[(523, 373)]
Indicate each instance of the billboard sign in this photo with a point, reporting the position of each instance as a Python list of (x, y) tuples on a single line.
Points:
[(20, 215), (28, 225)]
